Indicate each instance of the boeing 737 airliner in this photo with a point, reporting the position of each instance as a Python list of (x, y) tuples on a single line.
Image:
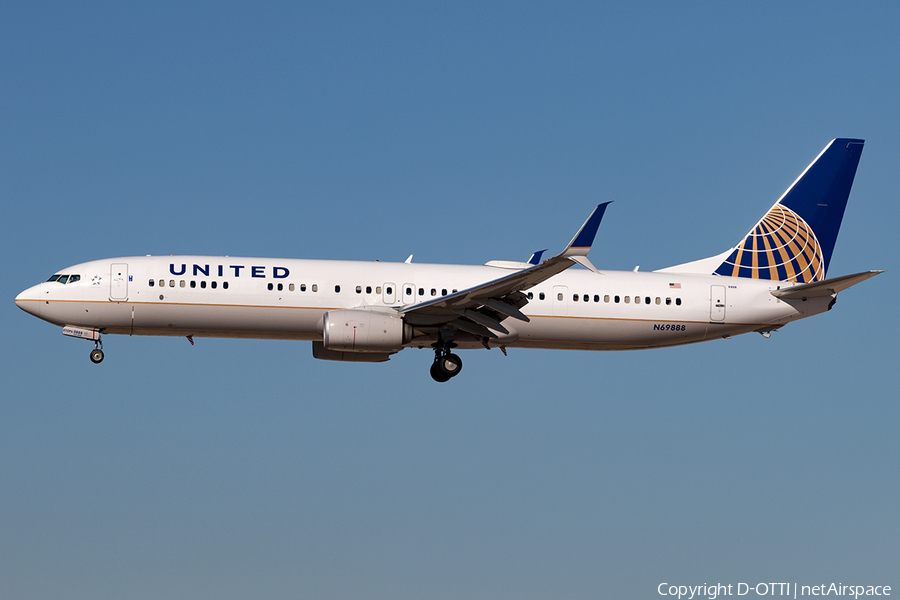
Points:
[(367, 311)]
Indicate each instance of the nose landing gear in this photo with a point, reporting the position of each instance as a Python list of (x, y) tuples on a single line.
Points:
[(97, 352), (87, 333)]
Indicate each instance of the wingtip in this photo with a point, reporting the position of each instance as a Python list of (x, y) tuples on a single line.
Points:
[(536, 257), (584, 239)]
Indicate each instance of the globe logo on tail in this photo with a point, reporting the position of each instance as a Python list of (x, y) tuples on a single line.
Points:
[(781, 247)]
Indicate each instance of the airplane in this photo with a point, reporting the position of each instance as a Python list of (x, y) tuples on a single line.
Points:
[(366, 311)]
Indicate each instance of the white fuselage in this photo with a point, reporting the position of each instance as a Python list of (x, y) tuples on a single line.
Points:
[(287, 299)]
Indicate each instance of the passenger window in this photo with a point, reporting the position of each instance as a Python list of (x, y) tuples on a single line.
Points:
[(443, 291), (280, 287), (408, 291), (677, 301), (575, 297), (224, 285), (587, 298), (368, 289), (617, 299), (647, 300), (315, 287), (389, 290), (181, 283), (559, 297), (541, 296), (668, 301), (302, 287), (433, 292), (455, 290), (530, 296), (292, 287), (596, 298), (193, 283), (359, 289), (213, 285), (658, 300), (162, 283), (421, 292), (63, 278), (606, 298), (171, 283), (152, 282), (378, 289), (203, 285), (270, 286), (637, 299), (627, 299), (337, 289)]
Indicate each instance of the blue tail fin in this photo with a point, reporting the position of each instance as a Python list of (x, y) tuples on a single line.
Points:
[(795, 239)]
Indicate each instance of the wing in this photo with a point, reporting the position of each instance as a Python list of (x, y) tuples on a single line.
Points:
[(479, 310)]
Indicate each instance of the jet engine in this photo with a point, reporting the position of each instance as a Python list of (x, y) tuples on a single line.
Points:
[(356, 330)]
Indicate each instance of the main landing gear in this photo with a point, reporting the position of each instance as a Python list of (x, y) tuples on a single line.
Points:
[(97, 352), (446, 365)]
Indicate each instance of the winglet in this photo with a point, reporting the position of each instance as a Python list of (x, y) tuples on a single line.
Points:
[(581, 243), (536, 257)]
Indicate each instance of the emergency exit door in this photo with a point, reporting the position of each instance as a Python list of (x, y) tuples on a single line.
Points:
[(560, 300)]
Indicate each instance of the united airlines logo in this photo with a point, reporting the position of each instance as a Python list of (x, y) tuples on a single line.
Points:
[(782, 247), (229, 270)]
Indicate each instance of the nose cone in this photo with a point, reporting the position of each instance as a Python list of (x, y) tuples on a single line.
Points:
[(30, 300)]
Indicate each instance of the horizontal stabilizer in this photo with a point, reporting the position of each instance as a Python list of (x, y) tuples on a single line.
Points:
[(822, 289)]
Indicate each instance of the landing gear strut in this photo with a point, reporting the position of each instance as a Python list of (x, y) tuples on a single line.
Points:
[(446, 364), (97, 352)]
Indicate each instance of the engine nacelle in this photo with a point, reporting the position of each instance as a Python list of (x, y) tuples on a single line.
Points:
[(355, 330), (323, 353)]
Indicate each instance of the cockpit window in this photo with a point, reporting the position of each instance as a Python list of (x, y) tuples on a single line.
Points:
[(64, 278)]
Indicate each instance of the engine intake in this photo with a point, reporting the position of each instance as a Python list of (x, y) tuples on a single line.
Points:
[(365, 331)]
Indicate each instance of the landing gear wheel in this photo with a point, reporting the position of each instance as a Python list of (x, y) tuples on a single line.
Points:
[(451, 364), (445, 366), (437, 374), (96, 356)]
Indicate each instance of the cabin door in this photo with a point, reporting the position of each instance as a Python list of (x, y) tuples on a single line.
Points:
[(118, 282), (717, 303)]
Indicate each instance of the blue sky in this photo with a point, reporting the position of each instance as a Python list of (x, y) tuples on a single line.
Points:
[(459, 133)]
